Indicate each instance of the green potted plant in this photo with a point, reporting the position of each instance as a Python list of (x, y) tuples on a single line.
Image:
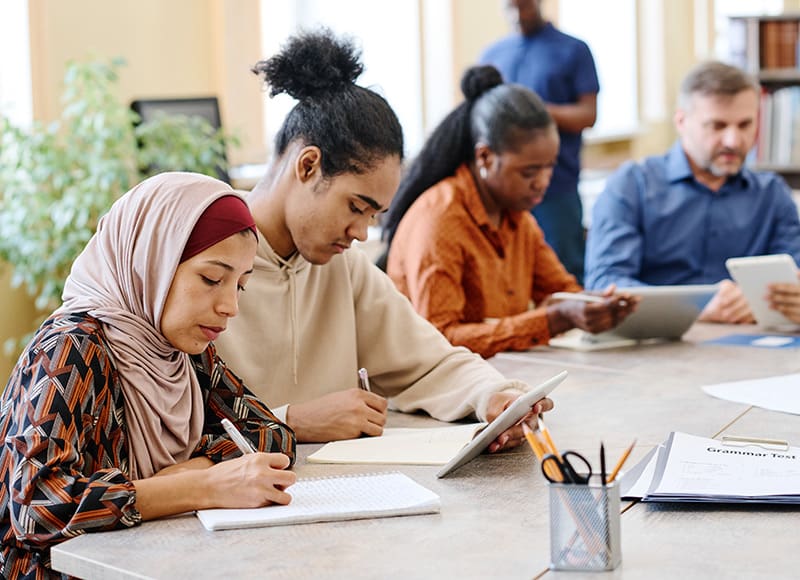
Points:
[(57, 180)]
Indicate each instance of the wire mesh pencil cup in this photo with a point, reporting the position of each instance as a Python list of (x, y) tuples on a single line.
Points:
[(585, 526)]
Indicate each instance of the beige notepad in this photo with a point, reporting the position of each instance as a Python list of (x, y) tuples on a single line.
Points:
[(577, 339), (434, 446), (328, 499)]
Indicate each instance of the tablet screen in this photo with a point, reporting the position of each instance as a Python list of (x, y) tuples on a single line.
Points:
[(516, 411)]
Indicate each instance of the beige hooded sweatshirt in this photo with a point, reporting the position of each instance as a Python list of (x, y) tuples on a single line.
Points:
[(303, 331)]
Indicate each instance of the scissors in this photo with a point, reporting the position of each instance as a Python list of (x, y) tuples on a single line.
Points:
[(565, 467)]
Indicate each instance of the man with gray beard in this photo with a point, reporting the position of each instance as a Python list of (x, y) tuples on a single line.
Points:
[(675, 218)]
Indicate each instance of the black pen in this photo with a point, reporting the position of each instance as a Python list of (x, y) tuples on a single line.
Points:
[(602, 464)]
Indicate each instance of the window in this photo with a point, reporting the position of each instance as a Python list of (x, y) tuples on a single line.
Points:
[(15, 63), (609, 28), (388, 34)]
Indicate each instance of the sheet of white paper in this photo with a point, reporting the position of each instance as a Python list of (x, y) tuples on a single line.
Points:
[(433, 446), (701, 467), (638, 488), (772, 341), (780, 393)]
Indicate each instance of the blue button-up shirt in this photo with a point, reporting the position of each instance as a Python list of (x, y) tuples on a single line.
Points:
[(655, 224), (560, 69)]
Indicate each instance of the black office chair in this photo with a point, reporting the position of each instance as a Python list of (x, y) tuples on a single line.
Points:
[(205, 107)]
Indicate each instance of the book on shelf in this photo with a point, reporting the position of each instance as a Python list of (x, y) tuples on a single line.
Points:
[(787, 44), (778, 142), (777, 43), (762, 44)]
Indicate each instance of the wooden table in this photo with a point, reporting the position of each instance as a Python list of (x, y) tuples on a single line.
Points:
[(494, 516)]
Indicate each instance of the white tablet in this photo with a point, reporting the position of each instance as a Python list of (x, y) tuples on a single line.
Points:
[(664, 312), (753, 274), (515, 411)]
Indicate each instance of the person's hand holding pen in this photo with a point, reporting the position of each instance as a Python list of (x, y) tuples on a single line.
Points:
[(363, 380), (514, 436), (249, 481), (342, 415), (590, 312)]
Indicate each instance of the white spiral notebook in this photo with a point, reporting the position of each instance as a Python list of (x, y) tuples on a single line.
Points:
[(328, 499)]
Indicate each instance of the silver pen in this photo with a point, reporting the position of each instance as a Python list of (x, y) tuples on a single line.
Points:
[(577, 296), (591, 298), (363, 380), (241, 442)]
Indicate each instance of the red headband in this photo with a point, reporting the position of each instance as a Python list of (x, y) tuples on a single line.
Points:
[(227, 216)]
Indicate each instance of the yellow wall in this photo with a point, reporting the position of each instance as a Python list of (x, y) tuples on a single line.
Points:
[(476, 24), (174, 48), (17, 320)]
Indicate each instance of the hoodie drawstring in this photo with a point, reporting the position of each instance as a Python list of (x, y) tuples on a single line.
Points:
[(292, 276)]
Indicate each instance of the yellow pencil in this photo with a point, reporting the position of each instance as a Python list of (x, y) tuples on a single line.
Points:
[(550, 442), (540, 451), (621, 462), (535, 444)]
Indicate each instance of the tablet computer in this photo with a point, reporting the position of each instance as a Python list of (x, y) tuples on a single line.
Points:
[(515, 411), (753, 274), (665, 312)]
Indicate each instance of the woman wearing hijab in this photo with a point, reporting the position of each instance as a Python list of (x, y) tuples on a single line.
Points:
[(113, 412)]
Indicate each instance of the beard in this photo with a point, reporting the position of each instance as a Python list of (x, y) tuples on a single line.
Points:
[(725, 170)]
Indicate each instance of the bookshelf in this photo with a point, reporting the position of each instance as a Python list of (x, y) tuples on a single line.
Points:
[(769, 48)]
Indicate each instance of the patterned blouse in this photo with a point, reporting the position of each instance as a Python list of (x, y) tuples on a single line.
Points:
[(64, 457)]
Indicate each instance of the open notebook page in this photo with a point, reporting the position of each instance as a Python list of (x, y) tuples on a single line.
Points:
[(431, 446), (326, 499)]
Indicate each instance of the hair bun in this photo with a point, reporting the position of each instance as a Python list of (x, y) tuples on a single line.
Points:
[(479, 79), (310, 64)]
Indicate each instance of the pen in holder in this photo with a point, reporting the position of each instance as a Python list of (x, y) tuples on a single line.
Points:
[(584, 526)]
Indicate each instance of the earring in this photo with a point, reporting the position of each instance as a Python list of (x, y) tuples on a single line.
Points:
[(483, 172)]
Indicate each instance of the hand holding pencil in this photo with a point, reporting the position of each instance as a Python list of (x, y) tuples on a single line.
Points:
[(590, 312)]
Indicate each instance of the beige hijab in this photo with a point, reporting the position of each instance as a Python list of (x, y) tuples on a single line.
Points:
[(122, 278)]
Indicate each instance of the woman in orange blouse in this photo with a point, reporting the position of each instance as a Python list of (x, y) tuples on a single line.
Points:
[(467, 252), (113, 412)]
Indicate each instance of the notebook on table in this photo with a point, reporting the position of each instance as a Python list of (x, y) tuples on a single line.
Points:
[(328, 499), (410, 446)]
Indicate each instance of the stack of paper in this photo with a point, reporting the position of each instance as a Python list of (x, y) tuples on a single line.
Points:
[(687, 468)]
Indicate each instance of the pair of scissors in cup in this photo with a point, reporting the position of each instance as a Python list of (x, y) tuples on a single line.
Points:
[(565, 467)]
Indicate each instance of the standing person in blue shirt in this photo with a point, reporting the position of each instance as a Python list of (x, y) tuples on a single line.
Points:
[(560, 69), (675, 218)]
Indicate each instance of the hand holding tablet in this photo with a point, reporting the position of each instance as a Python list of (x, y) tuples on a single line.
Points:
[(754, 274), (513, 414)]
